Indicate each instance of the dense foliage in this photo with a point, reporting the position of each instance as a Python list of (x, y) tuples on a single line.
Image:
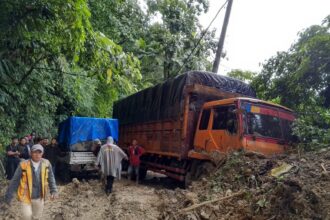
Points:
[(300, 79), (62, 58)]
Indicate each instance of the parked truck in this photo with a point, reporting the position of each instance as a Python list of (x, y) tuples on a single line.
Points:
[(75, 137), (188, 121)]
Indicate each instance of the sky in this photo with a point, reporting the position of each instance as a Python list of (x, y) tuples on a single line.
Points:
[(257, 29)]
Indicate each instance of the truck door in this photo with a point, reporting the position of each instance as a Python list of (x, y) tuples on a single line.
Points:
[(202, 136), (224, 128)]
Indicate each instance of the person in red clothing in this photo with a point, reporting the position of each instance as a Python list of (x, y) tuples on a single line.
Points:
[(135, 151)]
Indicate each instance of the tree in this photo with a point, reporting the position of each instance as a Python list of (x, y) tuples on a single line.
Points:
[(49, 55), (162, 37), (246, 76), (174, 36), (300, 79), (300, 74)]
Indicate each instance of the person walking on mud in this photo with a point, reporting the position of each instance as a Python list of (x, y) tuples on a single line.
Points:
[(135, 152), (110, 157), (30, 180)]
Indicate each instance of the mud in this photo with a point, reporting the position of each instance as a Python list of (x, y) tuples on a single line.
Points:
[(301, 193)]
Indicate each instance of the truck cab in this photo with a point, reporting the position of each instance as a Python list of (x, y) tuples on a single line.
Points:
[(243, 123)]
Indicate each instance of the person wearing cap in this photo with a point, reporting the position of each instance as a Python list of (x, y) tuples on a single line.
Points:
[(30, 180), (110, 157)]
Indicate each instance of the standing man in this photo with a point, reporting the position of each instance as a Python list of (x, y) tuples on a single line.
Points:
[(23, 149), (52, 152), (32, 139), (30, 181), (12, 155), (44, 141), (135, 152), (110, 157), (29, 145)]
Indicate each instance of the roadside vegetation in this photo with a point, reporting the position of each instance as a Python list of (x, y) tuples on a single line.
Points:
[(77, 58)]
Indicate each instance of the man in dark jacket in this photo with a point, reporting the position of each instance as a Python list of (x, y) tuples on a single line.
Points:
[(23, 149), (52, 152), (12, 156)]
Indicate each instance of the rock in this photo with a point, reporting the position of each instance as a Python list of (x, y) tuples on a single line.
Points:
[(89, 194), (59, 216), (174, 200), (192, 217), (303, 160), (76, 182), (228, 192), (323, 150), (325, 176), (204, 215), (191, 197)]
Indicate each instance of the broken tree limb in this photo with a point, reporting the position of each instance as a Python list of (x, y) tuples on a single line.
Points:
[(322, 165), (211, 201)]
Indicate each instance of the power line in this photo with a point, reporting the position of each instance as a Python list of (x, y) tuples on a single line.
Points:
[(202, 36)]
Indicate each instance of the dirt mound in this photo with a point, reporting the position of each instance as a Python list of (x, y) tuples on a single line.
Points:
[(247, 190)]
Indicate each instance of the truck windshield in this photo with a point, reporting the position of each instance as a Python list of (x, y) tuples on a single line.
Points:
[(267, 121), (263, 125)]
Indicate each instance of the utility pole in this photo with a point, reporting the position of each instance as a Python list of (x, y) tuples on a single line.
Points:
[(222, 37)]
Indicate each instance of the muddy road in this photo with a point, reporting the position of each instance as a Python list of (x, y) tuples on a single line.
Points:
[(243, 187), (85, 199)]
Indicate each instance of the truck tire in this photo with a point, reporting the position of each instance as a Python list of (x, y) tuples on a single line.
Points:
[(187, 180), (204, 169)]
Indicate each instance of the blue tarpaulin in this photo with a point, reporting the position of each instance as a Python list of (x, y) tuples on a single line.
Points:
[(80, 129)]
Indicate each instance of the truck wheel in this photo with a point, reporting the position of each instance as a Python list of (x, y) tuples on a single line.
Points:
[(142, 173), (204, 169), (187, 180)]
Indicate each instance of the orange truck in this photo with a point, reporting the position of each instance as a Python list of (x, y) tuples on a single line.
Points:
[(185, 121)]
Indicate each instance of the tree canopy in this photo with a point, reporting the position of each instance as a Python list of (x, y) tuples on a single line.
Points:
[(62, 58)]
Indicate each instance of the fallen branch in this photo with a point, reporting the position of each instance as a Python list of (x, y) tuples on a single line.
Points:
[(322, 165), (211, 201)]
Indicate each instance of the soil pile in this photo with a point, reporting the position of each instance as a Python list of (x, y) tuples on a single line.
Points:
[(247, 190)]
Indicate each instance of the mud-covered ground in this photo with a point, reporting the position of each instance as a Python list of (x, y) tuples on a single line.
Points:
[(241, 188), (85, 199)]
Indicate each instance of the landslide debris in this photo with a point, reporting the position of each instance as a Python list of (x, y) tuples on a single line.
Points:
[(301, 191)]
